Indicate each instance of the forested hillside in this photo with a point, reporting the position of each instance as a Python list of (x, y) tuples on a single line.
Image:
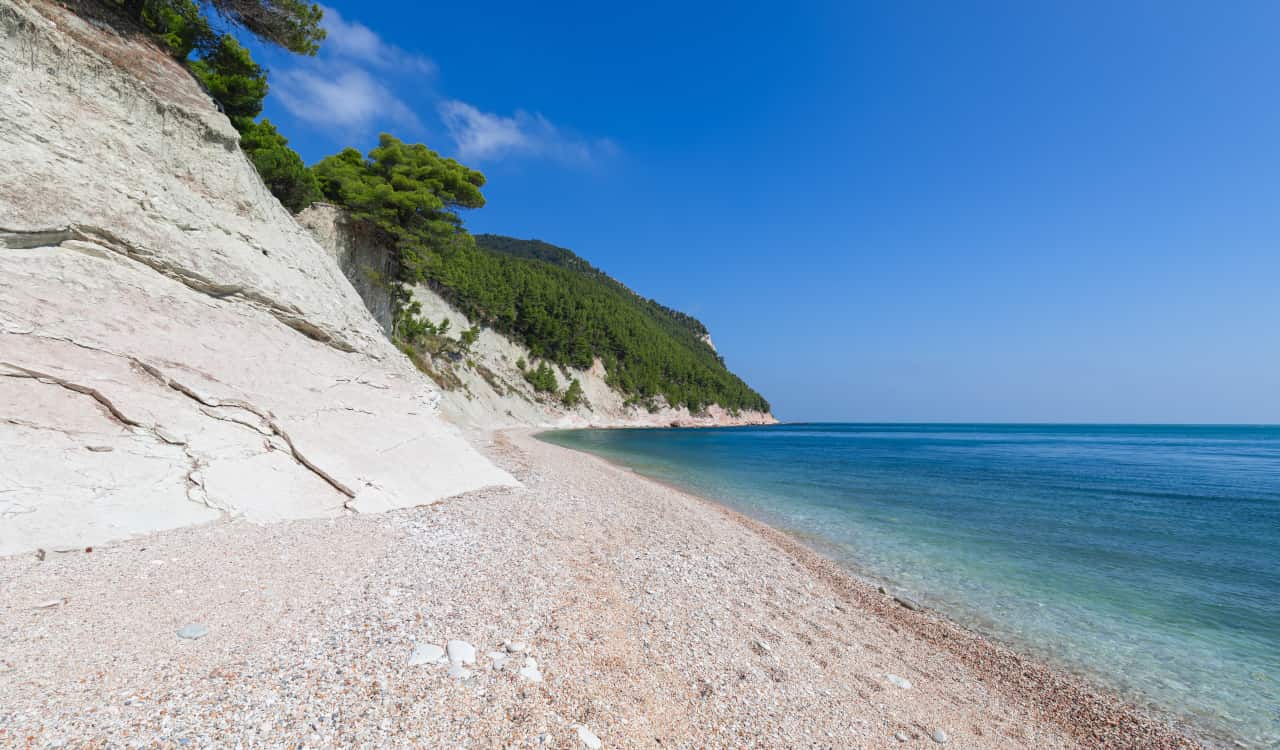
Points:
[(565, 258), (569, 312)]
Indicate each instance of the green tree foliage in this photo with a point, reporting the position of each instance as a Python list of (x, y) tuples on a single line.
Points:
[(408, 191), (542, 378), (282, 170), (292, 24), (179, 24), (565, 258), (573, 394), (469, 337), (234, 80)]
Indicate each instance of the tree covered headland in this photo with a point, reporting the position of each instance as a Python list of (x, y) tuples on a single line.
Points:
[(566, 311)]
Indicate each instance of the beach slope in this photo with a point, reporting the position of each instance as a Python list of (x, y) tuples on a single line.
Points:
[(652, 619)]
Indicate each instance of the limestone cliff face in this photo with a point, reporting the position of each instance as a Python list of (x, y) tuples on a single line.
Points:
[(363, 259), (485, 388), (173, 345)]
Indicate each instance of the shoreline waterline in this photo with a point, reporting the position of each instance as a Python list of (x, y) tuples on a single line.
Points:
[(1085, 683)]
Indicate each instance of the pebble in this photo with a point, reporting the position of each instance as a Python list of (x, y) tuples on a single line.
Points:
[(193, 631), (898, 682), (426, 653), (901, 736), (530, 670), (939, 736), (908, 602), (461, 652), (49, 604), (588, 738), (518, 647)]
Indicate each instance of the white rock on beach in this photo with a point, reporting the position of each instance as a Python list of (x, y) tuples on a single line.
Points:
[(530, 670), (461, 652), (459, 672), (193, 631), (588, 738), (427, 653), (897, 681)]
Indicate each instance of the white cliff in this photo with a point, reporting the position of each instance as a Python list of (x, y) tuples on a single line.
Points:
[(173, 346)]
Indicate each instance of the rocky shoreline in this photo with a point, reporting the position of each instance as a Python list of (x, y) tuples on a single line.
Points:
[(588, 608)]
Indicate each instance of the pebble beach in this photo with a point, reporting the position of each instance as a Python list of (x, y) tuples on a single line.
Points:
[(588, 608)]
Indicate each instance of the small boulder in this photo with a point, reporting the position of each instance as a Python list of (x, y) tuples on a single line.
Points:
[(898, 682), (530, 670), (193, 631), (588, 738), (908, 602), (461, 652), (426, 653)]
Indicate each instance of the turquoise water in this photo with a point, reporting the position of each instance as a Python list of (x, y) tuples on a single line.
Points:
[(1145, 557)]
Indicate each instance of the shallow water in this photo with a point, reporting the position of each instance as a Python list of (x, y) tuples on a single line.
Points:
[(1147, 557)]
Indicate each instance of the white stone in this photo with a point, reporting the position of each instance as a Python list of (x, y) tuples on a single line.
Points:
[(939, 736), (898, 682), (531, 674), (426, 653), (588, 738), (193, 631), (461, 652), (516, 647), (459, 672)]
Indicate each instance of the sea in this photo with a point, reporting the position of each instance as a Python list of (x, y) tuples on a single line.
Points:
[(1143, 558)]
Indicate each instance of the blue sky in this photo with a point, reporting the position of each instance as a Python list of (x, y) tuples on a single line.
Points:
[(1005, 211)]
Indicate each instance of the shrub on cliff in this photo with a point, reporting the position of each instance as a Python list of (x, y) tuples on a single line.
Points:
[(573, 394), (542, 378), (234, 80), (282, 170)]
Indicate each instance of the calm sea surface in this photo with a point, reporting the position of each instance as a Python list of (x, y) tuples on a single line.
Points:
[(1145, 557)]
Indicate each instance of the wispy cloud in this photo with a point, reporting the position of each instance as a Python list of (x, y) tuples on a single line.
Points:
[(360, 82), (485, 136), (340, 97), (355, 41)]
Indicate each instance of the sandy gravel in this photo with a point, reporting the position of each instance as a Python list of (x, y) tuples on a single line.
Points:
[(657, 620)]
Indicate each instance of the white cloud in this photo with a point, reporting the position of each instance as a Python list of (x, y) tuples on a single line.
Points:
[(486, 136), (352, 89), (354, 40), (340, 97)]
